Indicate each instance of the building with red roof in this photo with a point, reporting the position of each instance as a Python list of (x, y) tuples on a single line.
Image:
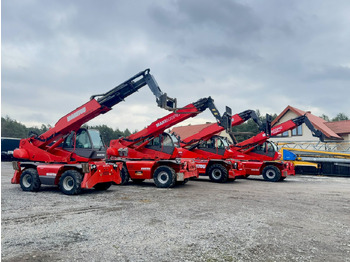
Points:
[(333, 131)]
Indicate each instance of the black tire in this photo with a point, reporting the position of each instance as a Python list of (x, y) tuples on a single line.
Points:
[(30, 180), (102, 186), (137, 181), (124, 175), (271, 173), (218, 173), (70, 182), (164, 177), (282, 178)]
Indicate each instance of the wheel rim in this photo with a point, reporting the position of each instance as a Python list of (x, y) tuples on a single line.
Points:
[(68, 183), (163, 177), (216, 173), (270, 174), (27, 180)]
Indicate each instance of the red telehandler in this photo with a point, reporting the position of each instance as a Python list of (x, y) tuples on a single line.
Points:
[(212, 153), (261, 157), (153, 154), (257, 154), (72, 157)]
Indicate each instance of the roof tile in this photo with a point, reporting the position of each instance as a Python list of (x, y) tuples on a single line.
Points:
[(340, 127), (186, 131)]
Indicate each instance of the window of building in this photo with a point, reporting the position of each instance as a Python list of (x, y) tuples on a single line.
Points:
[(285, 134), (297, 131)]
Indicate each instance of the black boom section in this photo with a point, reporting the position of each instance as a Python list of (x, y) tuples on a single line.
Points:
[(224, 120), (130, 86), (304, 119)]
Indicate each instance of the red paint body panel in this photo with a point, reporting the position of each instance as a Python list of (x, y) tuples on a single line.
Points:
[(103, 173)]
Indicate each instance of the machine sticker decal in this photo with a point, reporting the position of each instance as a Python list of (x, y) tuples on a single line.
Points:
[(76, 114)]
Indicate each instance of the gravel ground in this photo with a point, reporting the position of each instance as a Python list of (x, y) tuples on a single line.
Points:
[(304, 218)]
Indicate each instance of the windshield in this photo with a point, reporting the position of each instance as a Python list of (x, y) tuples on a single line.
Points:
[(175, 140), (225, 142), (271, 147), (96, 139), (220, 142)]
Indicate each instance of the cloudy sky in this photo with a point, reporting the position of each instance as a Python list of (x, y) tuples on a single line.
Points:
[(245, 54)]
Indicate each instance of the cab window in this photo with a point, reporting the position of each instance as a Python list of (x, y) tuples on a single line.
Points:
[(83, 140), (154, 142), (167, 141), (219, 144), (69, 142), (96, 139)]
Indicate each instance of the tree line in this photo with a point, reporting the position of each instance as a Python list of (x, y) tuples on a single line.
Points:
[(338, 117), (12, 128)]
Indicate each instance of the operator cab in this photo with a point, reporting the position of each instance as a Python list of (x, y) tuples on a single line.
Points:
[(268, 148), (216, 145), (165, 143), (86, 143)]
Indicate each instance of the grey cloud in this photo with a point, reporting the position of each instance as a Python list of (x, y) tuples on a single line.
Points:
[(228, 16), (245, 54), (326, 72)]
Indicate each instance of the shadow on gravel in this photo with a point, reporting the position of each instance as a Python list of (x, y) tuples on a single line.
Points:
[(55, 190), (206, 180), (150, 184)]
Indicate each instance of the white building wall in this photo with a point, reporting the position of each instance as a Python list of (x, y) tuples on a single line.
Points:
[(346, 137), (224, 134)]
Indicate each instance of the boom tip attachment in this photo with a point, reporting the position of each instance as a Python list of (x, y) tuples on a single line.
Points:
[(167, 103)]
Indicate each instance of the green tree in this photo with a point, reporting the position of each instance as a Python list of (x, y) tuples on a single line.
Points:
[(340, 117), (325, 117), (127, 133), (249, 128), (11, 128)]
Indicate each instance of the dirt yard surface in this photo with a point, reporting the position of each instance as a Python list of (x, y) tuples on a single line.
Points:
[(304, 218)]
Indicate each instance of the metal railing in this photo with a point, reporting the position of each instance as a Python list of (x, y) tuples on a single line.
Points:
[(329, 146)]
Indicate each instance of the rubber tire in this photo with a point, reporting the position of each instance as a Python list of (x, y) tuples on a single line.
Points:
[(137, 181), (164, 177), (271, 173), (124, 176), (218, 173), (30, 180), (102, 186), (73, 177)]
